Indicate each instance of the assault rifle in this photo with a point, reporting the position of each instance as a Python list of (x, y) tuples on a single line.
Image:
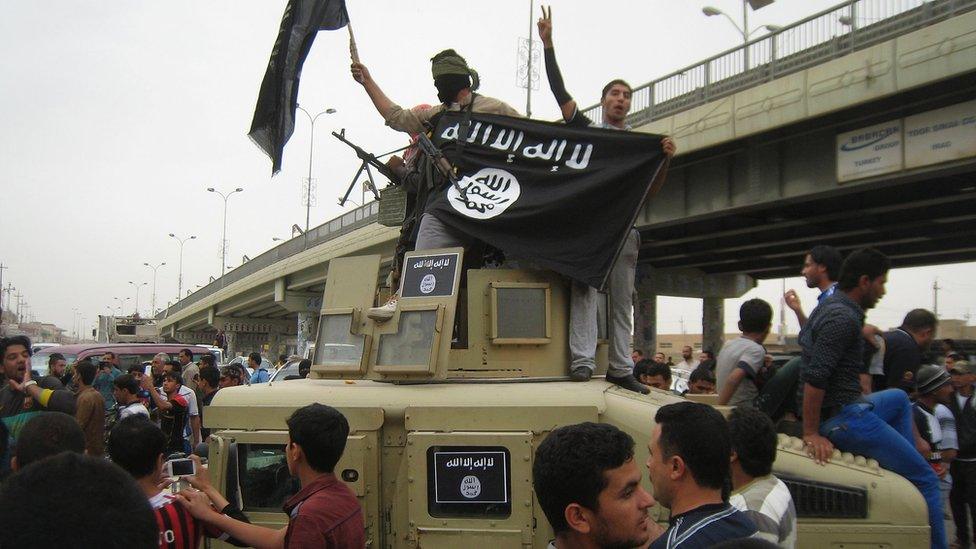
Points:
[(439, 160), (368, 161)]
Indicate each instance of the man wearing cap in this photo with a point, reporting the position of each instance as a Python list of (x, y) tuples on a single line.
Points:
[(963, 468), (456, 84), (935, 422)]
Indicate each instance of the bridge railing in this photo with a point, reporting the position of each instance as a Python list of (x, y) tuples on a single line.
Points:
[(330, 230), (842, 29)]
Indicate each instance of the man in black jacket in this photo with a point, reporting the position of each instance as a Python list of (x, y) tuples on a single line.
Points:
[(19, 392), (963, 468), (903, 351)]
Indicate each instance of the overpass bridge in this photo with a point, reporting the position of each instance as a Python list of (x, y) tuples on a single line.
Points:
[(855, 126)]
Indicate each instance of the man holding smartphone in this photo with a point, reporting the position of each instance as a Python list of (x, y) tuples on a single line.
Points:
[(174, 411), (324, 513), (139, 447)]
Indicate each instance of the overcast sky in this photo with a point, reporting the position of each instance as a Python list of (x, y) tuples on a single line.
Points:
[(118, 115)]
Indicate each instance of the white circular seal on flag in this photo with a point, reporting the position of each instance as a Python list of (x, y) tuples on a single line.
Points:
[(486, 194), (427, 283), (470, 487)]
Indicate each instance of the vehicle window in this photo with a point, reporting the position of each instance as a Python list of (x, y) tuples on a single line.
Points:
[(290, 370), (336, 345), (264, 478), (128, 360), (412, 344), (39, 362), (143, 358)]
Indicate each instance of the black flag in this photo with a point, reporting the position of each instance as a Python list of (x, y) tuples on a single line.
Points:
[(274, 115), (562, 196)]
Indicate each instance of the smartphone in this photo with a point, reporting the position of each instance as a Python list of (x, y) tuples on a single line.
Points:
[(179, 468)]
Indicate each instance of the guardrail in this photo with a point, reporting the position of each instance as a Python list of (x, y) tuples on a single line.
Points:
[(838, 31), (345, 223)]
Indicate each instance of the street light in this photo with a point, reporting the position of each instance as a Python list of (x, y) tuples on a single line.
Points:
[(308, 188), (152, 310), (137, 293), (223, 239), (710, 11), (181, 241), (121, 303)]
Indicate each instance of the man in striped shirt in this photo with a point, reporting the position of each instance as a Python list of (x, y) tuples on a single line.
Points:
[(137, 445), (755, 491)]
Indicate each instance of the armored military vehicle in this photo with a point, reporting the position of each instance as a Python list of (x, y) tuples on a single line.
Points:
[(448, 400)]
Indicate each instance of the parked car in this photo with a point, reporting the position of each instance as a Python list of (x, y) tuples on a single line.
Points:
[(129, 354)]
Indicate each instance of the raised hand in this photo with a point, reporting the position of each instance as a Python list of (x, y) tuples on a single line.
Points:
[(545, 27), (792, 300)]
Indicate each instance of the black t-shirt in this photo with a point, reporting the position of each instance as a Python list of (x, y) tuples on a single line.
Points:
[(204, 402), (902, 354), (173, 423)]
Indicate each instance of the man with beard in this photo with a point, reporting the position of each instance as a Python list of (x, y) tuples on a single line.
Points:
[(20, 393), (589, 487), (688, 464), (158, 368), (56, 366), (820, 269), (835, 413)]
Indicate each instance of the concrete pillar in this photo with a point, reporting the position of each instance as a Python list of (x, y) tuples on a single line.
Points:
[(713, 323), (230, 338), (307, 321), (645, 322)]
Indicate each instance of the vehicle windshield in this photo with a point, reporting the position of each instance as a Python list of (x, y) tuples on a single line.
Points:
[(39, 362)]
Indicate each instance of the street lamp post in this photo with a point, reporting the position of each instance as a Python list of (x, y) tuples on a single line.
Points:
[(308, 186), (710, 11), (182, 241), (152, 310), (121, 304), (223, 239), (137, 293)]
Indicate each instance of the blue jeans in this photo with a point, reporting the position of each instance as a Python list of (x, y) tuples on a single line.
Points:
[(882, 429)]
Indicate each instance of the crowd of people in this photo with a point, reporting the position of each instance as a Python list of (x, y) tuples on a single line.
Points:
[(589, 485), (99, 475), (881, 394)]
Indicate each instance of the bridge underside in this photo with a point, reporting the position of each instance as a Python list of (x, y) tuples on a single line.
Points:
[(755, 206)]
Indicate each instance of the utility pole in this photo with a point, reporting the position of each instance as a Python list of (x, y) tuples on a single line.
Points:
[(10, 292), (2, 268), (935, 296), (782, 314), (19, 295)]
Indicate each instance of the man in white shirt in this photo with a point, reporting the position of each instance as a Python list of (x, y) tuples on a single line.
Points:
[(689, 363)]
